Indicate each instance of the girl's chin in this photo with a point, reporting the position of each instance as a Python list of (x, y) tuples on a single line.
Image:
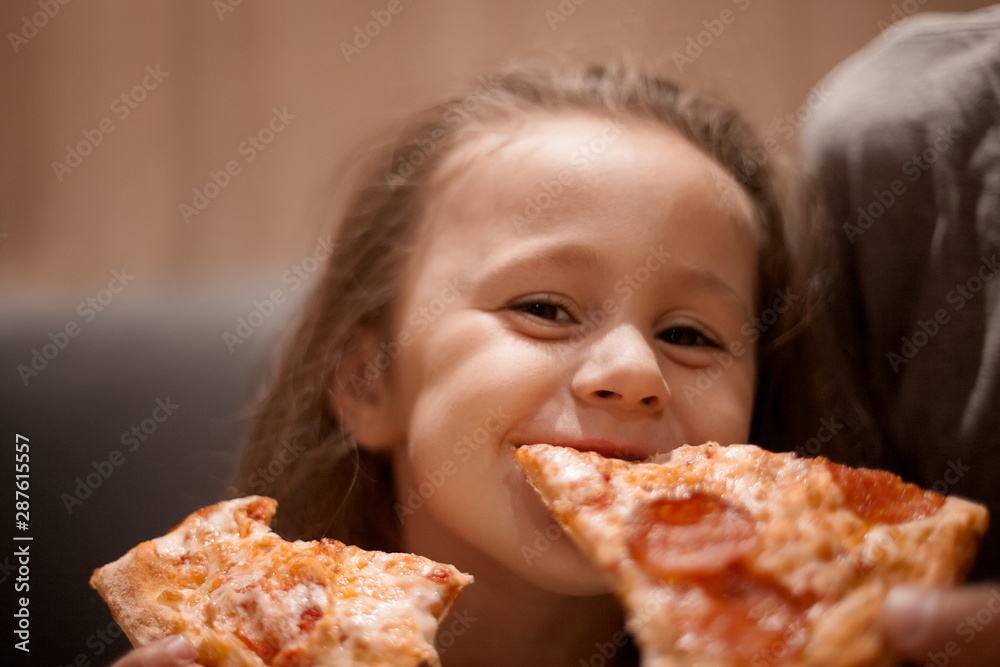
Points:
[(558, 566), (562, 582)]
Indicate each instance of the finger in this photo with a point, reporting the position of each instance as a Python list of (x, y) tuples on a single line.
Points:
[(173, 651), (956, 627)]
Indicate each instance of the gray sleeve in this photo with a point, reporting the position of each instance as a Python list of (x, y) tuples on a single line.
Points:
[(905, 154)]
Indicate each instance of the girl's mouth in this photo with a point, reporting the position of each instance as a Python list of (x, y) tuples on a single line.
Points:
[(606, 448)]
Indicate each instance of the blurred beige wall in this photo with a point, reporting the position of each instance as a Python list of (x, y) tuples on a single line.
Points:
[(153, 96)]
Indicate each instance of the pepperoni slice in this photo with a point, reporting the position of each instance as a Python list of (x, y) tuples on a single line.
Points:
[(700, 534), (439, 575), (308, 618), (265, 648), (881, 497), (741, 618), (721, 609)]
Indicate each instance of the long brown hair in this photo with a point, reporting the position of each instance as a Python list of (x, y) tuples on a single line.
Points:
[(324, 483)]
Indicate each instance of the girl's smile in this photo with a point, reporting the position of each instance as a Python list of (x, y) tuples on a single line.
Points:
[(580, 325)]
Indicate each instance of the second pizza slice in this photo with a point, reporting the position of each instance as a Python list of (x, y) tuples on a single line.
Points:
[(739, 556), (244, 597)]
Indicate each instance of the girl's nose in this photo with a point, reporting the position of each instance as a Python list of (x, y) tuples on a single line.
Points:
[(621, 370)]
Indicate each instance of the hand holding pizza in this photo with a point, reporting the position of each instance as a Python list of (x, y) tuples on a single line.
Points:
[(172, 651), (957, 627)]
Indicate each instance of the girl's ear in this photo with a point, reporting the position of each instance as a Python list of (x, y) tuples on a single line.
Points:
[(360, 394)]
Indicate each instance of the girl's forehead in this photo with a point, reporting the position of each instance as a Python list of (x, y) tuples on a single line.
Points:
[(583, 137), (545, 156)]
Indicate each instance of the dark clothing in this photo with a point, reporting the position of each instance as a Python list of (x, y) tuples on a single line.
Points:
[(906, 155)]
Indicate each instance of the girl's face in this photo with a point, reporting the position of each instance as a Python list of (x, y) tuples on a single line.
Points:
[(579, 283)]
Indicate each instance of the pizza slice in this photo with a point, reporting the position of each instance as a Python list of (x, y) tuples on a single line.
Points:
[(244, 596), (739, 556)]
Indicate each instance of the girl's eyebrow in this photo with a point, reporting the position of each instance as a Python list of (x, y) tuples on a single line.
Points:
[(711, 281), (569, 256), (565, 255)]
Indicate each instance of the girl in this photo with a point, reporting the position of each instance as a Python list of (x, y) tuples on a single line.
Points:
[(591, 258)]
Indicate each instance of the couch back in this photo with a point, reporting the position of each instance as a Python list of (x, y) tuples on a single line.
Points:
[(133, 413)]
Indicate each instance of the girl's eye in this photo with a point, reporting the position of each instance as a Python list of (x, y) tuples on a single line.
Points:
[(687, 337), (548, 309)]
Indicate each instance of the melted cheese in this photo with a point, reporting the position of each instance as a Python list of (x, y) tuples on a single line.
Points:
[(810, 543), (244, 604), (243, 588)]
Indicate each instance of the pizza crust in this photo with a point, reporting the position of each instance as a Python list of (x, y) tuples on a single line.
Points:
[(807, 541), (244, 596)]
